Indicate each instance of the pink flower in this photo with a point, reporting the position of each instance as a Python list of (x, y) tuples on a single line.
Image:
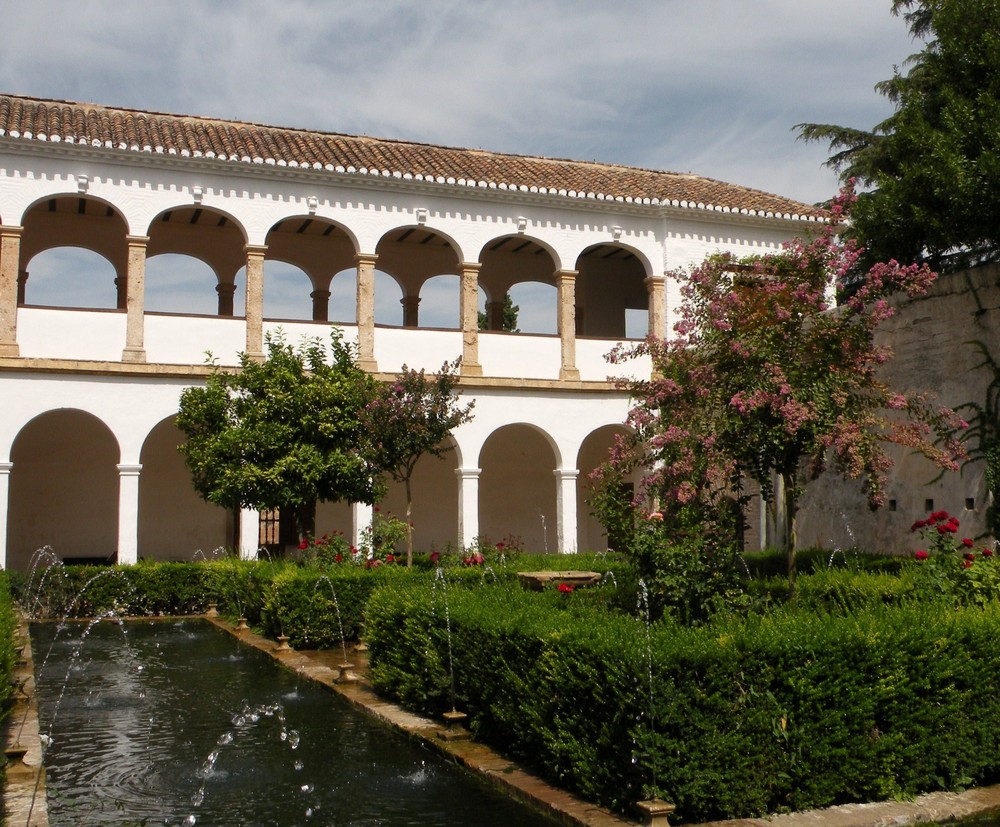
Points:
[(656, 516), (921, 555)]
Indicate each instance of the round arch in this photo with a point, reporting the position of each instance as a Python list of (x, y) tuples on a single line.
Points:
[(594, 450), (174, 522), (520, 260), (69, 276), (178, 283), (517, 487), (612, 299), (412, 255), (63, 488), (435, 500)]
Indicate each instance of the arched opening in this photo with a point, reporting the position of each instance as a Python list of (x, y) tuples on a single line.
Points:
[(344, 297), (537, 306), (525, 269), (314, 250), (434, 486), (178, 283), (439, 302), (210, 236), (388, 300), (70, 277), (594, 451), (174, 522), (287, 291), (612, 300), (63, 489), (412, 256), (517, 488)]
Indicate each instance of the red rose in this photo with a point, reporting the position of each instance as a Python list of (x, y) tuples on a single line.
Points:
[(921, 555), (303, 545), (565, 588), (967, 542), (390, 558), (917, 525), (969, 556), (339, 558), (435, 556), (967, 563), (987, 552)]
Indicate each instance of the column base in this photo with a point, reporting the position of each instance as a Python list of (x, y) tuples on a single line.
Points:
[(367, 364), (134, 354), (9, 349), (569, 374), (470, 369)]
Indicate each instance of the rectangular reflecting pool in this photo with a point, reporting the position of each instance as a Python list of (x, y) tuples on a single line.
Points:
[(176, 723)]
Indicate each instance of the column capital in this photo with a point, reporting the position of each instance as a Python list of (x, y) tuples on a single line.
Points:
[(5, 467), (129, 470), (256, 250), (366, 258), (468, 473), (566, 275), (564, 474), (11, 230), (655, 280), (137, 240), (470, 266)]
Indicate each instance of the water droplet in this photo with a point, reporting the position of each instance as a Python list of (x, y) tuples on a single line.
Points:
[(189, 821), (298, 765), (307, 788), (309, 812), (225, 738), (283, 735), (142, 693), (293, 739), (198, 797)]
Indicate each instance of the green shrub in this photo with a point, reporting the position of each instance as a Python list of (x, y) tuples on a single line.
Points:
[(791, 710)]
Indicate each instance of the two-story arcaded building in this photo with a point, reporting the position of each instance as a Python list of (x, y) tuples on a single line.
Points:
[(133, 242)]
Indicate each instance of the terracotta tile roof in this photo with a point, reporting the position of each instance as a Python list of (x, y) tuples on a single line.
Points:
[(33, 119)]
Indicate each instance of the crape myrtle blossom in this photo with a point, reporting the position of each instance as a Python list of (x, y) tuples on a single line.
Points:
[(763, 379)]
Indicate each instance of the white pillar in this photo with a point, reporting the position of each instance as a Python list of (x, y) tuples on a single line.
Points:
[(468, 505), (361, 518), (128, 514), (566, 530), (4, 498), (249, 533)]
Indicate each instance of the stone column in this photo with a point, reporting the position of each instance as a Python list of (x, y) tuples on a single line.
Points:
[(225, 292), (657, 309), (566, 527), (128, 514), (121, 292), (135, 299), (411, 311), (321, 305), (468, 505), (22, 283), (566, 282), (366, 310), (10, 265), (469, 319), (249, 533), (5, 468), (255, 300), (361, 518)]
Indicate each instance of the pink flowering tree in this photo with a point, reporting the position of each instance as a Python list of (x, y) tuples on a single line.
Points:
[(411, 416), (764, 380)]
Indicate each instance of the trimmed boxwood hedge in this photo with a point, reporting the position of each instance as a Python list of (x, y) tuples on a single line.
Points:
[(792, 710)]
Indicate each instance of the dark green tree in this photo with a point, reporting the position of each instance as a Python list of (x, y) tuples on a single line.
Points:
[(409, 417), (283, 432), (932, 168), (508, 321)]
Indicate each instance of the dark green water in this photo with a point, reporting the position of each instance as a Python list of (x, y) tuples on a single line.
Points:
[(145, 706)]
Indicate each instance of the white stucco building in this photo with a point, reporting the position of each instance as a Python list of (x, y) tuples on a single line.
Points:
[(91, 367)]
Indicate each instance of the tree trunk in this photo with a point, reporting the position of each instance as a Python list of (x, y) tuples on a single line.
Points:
[(409, 525), (788, 496)]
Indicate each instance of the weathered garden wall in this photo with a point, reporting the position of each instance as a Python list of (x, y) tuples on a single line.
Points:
[(933, 338)]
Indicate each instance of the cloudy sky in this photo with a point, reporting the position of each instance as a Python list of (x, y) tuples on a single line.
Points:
[(711, 87)]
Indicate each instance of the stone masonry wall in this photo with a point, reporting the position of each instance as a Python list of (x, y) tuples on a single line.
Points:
[(932, 338)]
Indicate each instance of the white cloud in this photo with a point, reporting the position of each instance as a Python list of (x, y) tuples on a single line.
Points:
[(711, 87)]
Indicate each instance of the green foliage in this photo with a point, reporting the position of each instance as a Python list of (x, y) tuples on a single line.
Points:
[(411, 416), (791, 710), (508, 322), (934, 164), (8, 655), (282, 433)]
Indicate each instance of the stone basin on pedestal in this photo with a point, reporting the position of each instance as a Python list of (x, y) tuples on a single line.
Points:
[(538, 580)]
